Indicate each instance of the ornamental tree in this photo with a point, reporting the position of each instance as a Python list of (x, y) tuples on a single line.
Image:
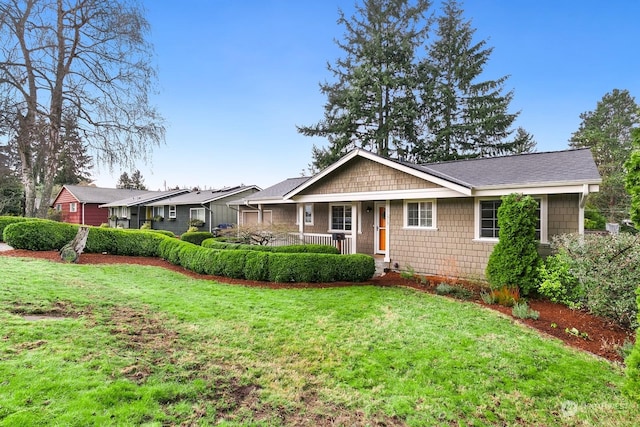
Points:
[(514, 260)]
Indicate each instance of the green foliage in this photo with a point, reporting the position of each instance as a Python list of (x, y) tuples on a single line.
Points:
[(558, 284), (593, 219), (522, 310), (11, 194), (373, 103), (465, 116), (608, 270), (607, 132), (146, 226), (454, 291), (632, 179), (6, 220), (196, 237), (164, 232), (39, 234), (514, 260), (124, 242), (215, 243)]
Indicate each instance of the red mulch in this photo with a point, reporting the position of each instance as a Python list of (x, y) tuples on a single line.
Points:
[(604, 336)]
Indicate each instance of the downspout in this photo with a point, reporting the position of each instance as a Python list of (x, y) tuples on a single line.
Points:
[(210, 217), (581, 205)]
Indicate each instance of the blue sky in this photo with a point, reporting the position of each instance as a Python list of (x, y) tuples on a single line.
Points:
[(236, 77)]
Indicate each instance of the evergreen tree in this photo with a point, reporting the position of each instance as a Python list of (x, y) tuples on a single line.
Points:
[(137, 181), (74, 161), (607, 132), (523, 142), (372, 103), (124, 181), (464, 116)]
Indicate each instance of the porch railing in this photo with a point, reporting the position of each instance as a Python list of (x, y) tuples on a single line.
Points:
[(345, 245)]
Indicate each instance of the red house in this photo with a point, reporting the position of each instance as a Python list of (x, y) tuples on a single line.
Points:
[(79, 204)]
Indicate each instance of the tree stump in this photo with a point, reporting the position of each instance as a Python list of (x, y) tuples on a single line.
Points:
[(72, 250)]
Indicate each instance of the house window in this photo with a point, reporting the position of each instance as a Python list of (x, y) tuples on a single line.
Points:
[(308, 214), (420, 214), (73, 207), (197, 213), (59, 207), (158, 211), (489, 227), (172, 211), (340, 217)]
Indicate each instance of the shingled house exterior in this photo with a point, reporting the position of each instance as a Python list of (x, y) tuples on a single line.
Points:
[(435, 218)]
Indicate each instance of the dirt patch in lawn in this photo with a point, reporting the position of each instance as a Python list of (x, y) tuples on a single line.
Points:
[(596, 335)]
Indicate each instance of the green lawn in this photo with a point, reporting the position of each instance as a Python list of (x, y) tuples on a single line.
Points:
[(145, 346)]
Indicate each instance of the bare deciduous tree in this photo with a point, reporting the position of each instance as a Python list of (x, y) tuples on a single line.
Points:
[(85, 58)]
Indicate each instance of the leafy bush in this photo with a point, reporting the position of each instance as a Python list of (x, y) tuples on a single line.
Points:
[(632, 372), (608, 269), (522, 310), (214, 243), (196, 237), (593, 219), (514, 260), (557, 283), (117, 241), (39, 234), (6, 220)]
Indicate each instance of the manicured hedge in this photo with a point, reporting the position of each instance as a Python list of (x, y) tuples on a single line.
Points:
[(270, 266), (6, 220), (196, 237), (43, 235), (317, 249), (39, 234)]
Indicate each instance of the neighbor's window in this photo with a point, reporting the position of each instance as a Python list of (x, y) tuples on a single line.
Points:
[(172, 211), (340, 217), (73, 207), (197, 213), (158, 211), (420, 214), (308, 214), (58, 207), (489, 228)]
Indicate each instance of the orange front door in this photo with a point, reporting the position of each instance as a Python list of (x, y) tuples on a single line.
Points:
[(382, 229)]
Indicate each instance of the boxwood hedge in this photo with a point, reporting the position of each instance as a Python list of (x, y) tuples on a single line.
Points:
[(6, 220), (196, 237), (42, 235), (317, 249)]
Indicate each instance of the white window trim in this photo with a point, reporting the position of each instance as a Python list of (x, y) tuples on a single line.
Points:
[(172, 211), (304, 214), (434, 216), (544, 219), (73, 207), (353, 209), (204, 214)]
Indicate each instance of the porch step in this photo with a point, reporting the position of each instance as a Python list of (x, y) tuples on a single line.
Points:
[(380, 265)]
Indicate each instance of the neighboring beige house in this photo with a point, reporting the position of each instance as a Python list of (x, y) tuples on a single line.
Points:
[(435, 219)]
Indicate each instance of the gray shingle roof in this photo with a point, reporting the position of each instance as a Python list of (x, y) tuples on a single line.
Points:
[(143, 199), (100, 195), (534, 168), (202, 196), (277, 191)]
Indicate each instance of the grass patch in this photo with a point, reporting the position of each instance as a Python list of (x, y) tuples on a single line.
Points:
[(141, 345)]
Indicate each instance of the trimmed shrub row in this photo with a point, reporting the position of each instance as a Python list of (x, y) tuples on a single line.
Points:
[(268, 266), (43, 235), (196, 237), (6, 220), (316, 249), (39, 234)]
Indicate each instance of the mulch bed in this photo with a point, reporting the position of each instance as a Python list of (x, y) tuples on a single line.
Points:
[(603, 336)]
